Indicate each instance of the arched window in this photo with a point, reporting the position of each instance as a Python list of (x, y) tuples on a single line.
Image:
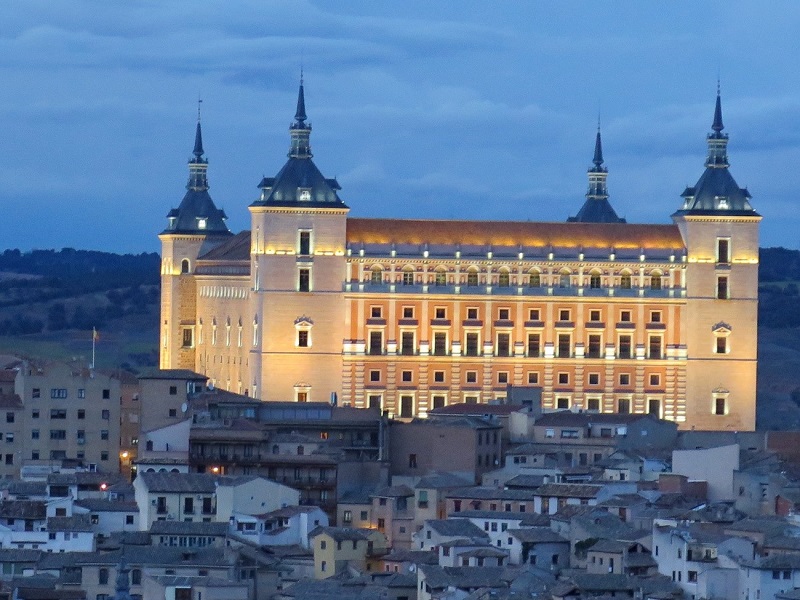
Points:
[(441, 276), (564, 278), (625, 280), (149, 445), (534, 279), (275, 449), (300, 451), (408, 275), (376, 275), (504, 278), (472, 276), (655, 280), (594, 279), (185, 265)]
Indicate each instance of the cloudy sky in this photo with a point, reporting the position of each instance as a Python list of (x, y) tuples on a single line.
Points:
[(479, 110)]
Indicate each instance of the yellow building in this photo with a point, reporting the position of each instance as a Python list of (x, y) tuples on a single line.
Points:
[(410, 315)]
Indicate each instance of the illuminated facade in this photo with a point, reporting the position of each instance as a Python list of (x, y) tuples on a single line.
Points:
[(410, 315)]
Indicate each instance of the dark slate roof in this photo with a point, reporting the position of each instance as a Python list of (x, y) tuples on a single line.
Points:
[(201, 483), (22, 509), (394, 491), (196, 205), (566, 418), (102, 505), (465, 408), (234, 248), (441, 481), (424, 557), (179, 374), (10, 402), (138, 555), (339, 533), (27, 488), (188, 528), (463, 577), (569, 490), (537, 535), (75, 523), (716, 192), (14, 555), (456, 528), (596, 210)]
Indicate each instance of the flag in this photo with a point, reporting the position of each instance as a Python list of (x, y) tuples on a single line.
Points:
[(95, 335)]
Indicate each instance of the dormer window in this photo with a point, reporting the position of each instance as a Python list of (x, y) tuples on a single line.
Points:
[(201, 223), (172, 222), (305, 195), (722, 202)]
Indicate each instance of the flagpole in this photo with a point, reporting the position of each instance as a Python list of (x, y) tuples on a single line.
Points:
[(94, 337)]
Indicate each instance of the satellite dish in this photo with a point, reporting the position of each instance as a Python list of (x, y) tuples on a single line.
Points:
[(184, 407)]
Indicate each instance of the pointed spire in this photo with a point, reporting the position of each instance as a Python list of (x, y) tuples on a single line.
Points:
[(300, 114), (123, 585), (300, 131), (717, 125), (598, 149)]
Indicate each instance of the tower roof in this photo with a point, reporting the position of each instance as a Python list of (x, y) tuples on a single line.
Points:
[(597, 208), (299, 182), (197, 213), (716, 192)]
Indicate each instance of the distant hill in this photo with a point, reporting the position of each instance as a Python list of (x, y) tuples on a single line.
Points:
[(51, 299)]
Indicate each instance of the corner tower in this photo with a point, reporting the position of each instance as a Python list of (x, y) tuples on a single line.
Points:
[(720, 230), (298, 239), (193, 228), (597, 208)]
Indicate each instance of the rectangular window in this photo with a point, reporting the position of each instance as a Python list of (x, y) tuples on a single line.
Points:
[(625, 316), (36, 393), (655, 346), (502, 377), (594, 315), (503, 314), (81, 393), (304, 280), (187, 337), (58, 434), (624, 406), (719, 405), (375, 312), (302, 338), (533, 314), (655, 316), (35, 413), (375, 401), (723, 251), (654, 407), (105, 414), (593, 404), (533, 378), (407, 343), (438, 376), (305, 243), (441, 312), (34, 434), (472, 345), (593, 351), (722, 288), (375, 342), (594, 378), (564, 345), (562, 404), (563, 378), (563, 314), (59, 393), (472, 313), (503, 344), (407, 376), (374, 376), (408, 312), (534, 344), (472, 377), (722, 345), (655, 379), (624, 379), (406, 407), (440, 343), (438, 401), (58, 413), (10, 416)]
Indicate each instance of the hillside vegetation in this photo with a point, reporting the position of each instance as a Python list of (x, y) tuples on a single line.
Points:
[(51, 299)]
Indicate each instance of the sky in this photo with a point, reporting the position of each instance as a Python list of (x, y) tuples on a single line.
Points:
[(468, 110)]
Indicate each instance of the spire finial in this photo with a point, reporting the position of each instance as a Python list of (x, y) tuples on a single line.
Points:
[(198, 136), (598, 148), (199, 102)]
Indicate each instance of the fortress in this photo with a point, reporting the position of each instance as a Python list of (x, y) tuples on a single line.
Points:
[(410, 315)]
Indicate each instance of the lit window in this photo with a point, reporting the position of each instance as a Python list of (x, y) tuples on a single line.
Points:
[(201, 223)]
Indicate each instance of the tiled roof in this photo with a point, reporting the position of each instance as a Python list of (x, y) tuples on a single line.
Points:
[(463, 577), (513, 234), (14, 555), (101, 505), (188, 528), (566, 418), (394, 491), (569, 490), (456, 528), (235, 248), (339, 533), (465, 408), (537, 535), (440, 481), (75, 523), (179, 374), (27, 488), (22, 509), (201, 483)]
